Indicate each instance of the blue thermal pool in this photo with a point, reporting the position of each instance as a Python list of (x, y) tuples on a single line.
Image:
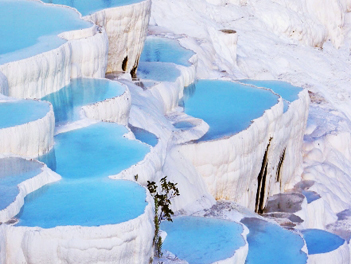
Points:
[(16, 113), (67, 102), (287, 91), (201, 240), (227, 107), (311, 196), (268, 244), (165, 50), (96, 151), (86, 196), (320, 241), (86, 7), (144, 136), (156, 71), (25, 33), (13, 171), (89, 203), (183, 125)]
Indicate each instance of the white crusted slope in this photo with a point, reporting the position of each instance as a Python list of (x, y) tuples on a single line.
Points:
[(127, 242), (126, 28), (31, 139)]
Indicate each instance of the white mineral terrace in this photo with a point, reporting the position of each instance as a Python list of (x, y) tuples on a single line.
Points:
[(256, 186)]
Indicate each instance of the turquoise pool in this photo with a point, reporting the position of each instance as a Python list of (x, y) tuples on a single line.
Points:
[(85, 196), (25, 32), (14, 113), (13, 171), (272, 244), (227, 107), (200, 240), (157, 49), (320, 241), (67, 102)]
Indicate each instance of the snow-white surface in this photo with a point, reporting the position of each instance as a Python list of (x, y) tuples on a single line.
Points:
[(31, 139), (127, 242), (126, 28), (276, 40)]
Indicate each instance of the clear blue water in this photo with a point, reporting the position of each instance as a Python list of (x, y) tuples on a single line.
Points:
[(30, 28), (20, 112), (311, 196), (96, 151), (89, 203), (184, 125), (144, 136), (13, 171), (161, 72), (227, 107), (86, 196), (320, 241), (86, 7), (165, 50), (201, 240), (287, 91), (67, 102), (272, 244)]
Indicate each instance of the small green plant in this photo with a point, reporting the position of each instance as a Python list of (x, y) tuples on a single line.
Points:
[(168, 190)]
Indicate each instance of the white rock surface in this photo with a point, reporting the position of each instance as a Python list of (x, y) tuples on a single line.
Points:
[(127, 242), (112, 110), (126, 28), (31, 139)]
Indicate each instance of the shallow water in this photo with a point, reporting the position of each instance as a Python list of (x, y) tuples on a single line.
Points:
[(13, 171), (144, 136), (165, 50), (227, 107), (86, 196), (89, 203), (20, 112), (96, 151), (86, 7), (157, 71), (67, 102), (311, 196), (287, 91), (320, 241), (183, 125), (272, 244), (30, 28), (201, 240)]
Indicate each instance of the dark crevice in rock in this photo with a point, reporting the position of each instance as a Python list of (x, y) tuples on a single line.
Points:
[(280, 164), (133, 72), (125, 64), (261, 182)]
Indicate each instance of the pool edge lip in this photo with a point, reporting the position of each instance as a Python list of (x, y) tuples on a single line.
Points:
[(139, 230), (226, 137), (45, 141), (46, 176), (190, 60), (65, 35), (239, 254)]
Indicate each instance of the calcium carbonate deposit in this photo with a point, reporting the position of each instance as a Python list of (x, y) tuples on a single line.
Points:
[(243, 104)]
